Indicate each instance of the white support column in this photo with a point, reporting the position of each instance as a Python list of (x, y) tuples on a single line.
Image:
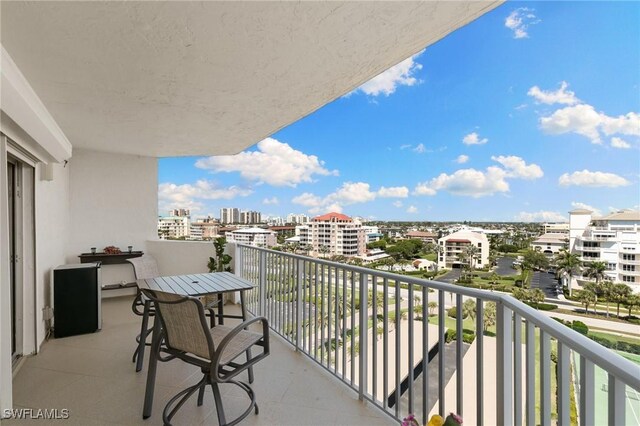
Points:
[(504, 367), (6, 394)]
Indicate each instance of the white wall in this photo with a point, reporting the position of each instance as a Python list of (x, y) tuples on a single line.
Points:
[(181, 257), (52, 230), (113, 201)]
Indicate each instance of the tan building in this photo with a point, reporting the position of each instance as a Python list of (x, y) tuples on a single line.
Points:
[(336, 233), (455, 245), (426, 237)]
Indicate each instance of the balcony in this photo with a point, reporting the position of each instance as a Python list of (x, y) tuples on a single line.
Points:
[(376, 343), (92, 375)]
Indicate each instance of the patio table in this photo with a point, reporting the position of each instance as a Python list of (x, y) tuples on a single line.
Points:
[(195, 285)]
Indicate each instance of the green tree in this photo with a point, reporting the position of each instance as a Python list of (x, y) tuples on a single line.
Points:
[(536, 297), (596, 271), (432, 307), (632, 301), (568, 264), (489, 317), (469, 309), (222, 261), (586, 297), (621, 293)]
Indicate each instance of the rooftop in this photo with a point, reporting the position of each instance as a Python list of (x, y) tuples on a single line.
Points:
[(332, 217)]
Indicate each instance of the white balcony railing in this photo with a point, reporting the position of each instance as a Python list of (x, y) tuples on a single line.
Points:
[(367, 328)]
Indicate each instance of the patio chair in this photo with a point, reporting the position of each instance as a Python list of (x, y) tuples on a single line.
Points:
[(187, 336), (143, 267)]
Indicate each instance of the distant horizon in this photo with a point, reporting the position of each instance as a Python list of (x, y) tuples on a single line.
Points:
[(519, 116)]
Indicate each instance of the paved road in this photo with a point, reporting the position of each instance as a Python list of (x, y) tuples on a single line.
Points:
[(503, 266), (546, 282)]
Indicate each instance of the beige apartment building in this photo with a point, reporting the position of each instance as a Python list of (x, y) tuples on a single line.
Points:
[(333, 234), (455, 245)]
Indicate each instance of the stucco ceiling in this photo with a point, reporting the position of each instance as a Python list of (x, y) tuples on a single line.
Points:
[(208, 78)]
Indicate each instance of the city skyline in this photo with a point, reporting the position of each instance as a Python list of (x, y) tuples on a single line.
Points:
[(456, 132)]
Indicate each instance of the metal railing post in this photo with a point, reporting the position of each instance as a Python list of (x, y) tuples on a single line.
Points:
[(363, 332), (262, 288), (504, 367), (237, 264), (299, 278)]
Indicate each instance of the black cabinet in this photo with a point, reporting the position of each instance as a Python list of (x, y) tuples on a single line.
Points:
[(76, 299)]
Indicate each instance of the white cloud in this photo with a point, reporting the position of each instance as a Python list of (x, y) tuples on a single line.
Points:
[(352, 193), (420, 149), (619, 143), (462, 159), (393, 192), (272, 200), (275, 163), (560, 96), (592, 179), (540, 216), (307, 199), (424, 189), (402, 74), (477, 183), (187, 196), (519, 21), (474, 139), (397, 204), (412, 209), (577, 205), (472, 182), (584, 120), (405, 146), (516, 167)]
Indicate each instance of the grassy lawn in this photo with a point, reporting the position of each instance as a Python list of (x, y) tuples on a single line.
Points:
[(614, 337)]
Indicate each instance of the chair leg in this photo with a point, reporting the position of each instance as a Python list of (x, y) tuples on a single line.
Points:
[(182, 396), (201, 394), (222, 421), (250, 369), (143, 336)]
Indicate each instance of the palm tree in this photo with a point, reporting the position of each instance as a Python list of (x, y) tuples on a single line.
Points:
[(471, 252), (469, 309), (631, 302), (621, 293), (596, 270), (432, 307), (323, 249), (586, 297), (438, 250), (568, 264)]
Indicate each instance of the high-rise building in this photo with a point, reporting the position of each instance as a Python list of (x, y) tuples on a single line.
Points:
[(229, 215), (180, 212), (250, 217), (333, 234), (298, 219)]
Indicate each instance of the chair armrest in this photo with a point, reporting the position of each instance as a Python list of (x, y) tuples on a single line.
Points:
[(219, 350)]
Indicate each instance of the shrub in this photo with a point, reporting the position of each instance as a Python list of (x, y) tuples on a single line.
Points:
[(543, 306), (452, 311), (580, 327), (468, 336)]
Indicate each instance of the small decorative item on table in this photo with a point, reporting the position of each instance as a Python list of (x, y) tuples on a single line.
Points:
[(112, 250), (435, 420), (130, 248), (93, 250)]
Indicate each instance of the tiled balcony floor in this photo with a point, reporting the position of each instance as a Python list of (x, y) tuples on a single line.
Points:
[(93, 376)]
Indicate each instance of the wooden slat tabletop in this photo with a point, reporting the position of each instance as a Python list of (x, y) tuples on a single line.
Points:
[(196, 284)]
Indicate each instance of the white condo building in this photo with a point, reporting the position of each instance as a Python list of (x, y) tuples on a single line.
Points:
[(551, 243), (337, 232), (555, 227), (454, 246), (613, 239), (298, 219), (174, 227), (253, 236), (229, 215)]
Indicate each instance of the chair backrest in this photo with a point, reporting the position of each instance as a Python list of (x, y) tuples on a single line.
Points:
[(184, 323), (144, 267)]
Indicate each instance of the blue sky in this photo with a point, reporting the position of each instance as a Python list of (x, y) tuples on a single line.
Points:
[(524, 114)]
